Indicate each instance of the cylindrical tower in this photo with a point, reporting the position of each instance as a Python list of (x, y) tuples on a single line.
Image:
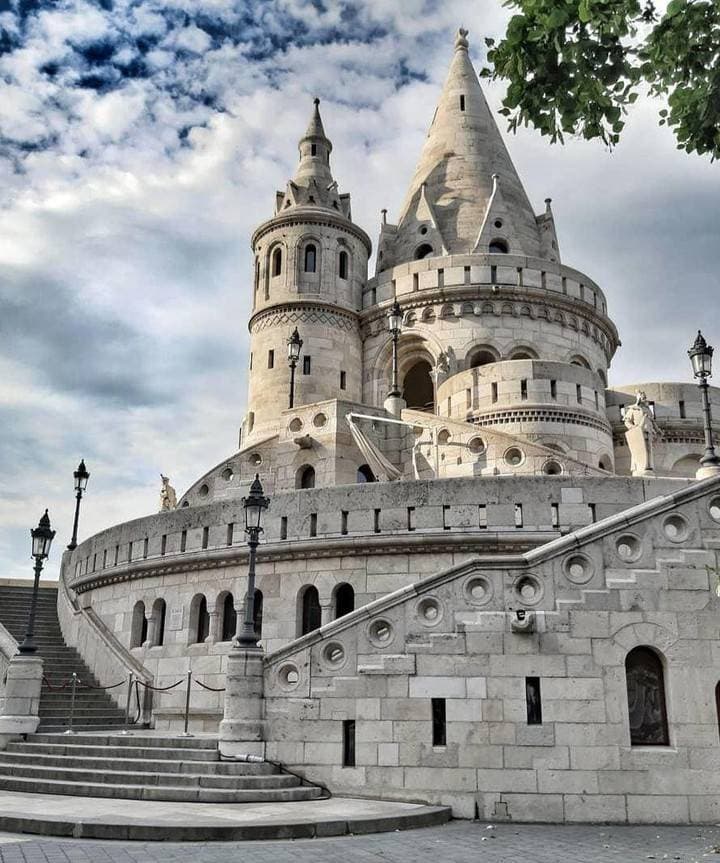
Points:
[(310, 270)]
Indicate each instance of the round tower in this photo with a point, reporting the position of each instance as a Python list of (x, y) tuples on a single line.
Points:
[(310, 271)]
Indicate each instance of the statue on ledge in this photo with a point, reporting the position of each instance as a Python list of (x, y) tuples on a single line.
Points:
[(168, 497), (642, 430)]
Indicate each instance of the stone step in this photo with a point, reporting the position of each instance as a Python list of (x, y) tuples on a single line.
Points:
[(145, 778), (136, 765), (87, 751), (145, 741), (53, 728), (166, 792), (84, 710)]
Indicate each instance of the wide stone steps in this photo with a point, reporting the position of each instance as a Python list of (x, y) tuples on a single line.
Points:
[(143, 767)]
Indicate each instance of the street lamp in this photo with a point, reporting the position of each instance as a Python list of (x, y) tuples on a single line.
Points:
[(395, 326), (42, 538), (254, 504), (81, 479), (701, 358), (294, 344)]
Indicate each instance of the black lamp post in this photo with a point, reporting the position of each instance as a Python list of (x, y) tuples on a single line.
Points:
[(701, 357), (294, 345), (81, 479), (395, 326), (254, 504), (42, 538)]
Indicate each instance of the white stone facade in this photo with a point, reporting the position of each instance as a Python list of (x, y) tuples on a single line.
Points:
[(511, 566)]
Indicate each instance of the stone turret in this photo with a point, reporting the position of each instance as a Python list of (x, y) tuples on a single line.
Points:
[(310, 269), (465, 196)]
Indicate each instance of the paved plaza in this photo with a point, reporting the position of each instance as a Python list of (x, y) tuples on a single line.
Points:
[(458, 842)]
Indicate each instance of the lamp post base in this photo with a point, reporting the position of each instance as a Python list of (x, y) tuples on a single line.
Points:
[(20, 711), (242, 728)]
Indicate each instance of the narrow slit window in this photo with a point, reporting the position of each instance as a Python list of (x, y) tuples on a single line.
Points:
[(543, 279), (183, 540), (307, 365), (348, 743), (462, 103), (230, 533), (518, 515), (523, 389), (482, 516), (555, 511), (564, 284), (592, 512), (117, 554), (411, 518), (416, 282), (597, 401), (681, 405), (494, 392), (343, 380), (104, 559), (205, 537), (130, 552), (468, 399), (493, 274), (283, 527), (146, 544), (553, 389), (533, 701), (343, 522), (376, 520), (578, 393), (277, 262), (445, 514), (310, 258), (343, 265), (313, 524), (439, 722), (647, 713), (271, 359)]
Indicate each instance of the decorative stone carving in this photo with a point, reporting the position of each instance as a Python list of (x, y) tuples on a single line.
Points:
[(642, 430), (168, 497)]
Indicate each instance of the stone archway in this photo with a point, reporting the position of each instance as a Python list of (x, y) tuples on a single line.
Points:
[(418, 389)]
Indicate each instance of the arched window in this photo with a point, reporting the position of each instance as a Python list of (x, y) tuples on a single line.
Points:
[(310, 258), (199, 619), (481, 357), (577, 360), (717, 704), (344, 600), (258, 614), (277, 262), (364, 474), (305, 477), (229, 618), (498, 247), (423, 251), (418, 387), (343, 265), (309, 610), (138, 627), (646, 698), (158, 613)]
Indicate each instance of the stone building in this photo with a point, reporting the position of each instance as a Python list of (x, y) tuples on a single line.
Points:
[(496, 591)]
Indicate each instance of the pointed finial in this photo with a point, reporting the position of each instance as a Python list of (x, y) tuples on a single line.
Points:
[(548, 208), (316, 101), (461, 41), (383, 213)]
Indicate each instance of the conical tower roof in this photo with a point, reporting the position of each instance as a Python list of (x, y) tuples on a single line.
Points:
[(463, 162), (315, 148)]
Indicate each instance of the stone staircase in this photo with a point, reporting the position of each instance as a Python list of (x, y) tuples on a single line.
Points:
[(137, 767), (94, 708)]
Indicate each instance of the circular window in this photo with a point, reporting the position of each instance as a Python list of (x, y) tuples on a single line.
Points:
[(380, 633), (429, 611), (319, 420), (204, 490), (579, 569), (295, 424), (334, 654), (628, 547), (478, 590), (227, 474), (676, 528), (498, 223), (514, 456), (476, 445), (552, 468), (255, 459), (288, 676), (715, 509), (185, 503), (443, 436), (423, 230), (528, 589)]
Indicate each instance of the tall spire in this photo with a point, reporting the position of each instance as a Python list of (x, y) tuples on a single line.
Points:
[(465, 192), (313, 184)]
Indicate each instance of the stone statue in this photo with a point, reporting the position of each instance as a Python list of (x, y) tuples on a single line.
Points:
[(168, 497), (642, 430)]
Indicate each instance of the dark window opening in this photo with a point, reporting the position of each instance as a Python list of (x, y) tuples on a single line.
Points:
[(555, 510), (310, 611), (482, 516), (159, 610), (229, 618), (202, 630), (307, 365), (313, 149), (533, 701), (313, 524), (343, 522), (348, 743), (647, 712), (205, 537), (310, 258), (462, 103), (578, 393), (146, 543), (494, 392), (183, 540), (423, 251), (277, 262), (258, 614), (499, 247), (343, 380), (418, 387), (344, 600), (365, 474), (306, 477), (283, 527), (553, 389), (682, 410), (376, 520), (445, 511), (523, 389), (518, 515), (230, 533), (411, 518), (343, 265), (439, 723), (271, 359)]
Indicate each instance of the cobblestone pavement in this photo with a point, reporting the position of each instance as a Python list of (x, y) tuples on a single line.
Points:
[(459, 842)]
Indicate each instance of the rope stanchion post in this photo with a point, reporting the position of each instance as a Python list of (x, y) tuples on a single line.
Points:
[(128, 700), (186, 733), (73, 691)]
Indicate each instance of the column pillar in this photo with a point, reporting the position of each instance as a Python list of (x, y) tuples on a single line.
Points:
[(327, 615), (21, 702), (242, 728)]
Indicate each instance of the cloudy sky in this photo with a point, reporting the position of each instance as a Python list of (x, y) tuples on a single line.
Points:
[(140, 143)]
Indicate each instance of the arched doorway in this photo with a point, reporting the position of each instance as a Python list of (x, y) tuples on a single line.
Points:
[(418, 387)]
